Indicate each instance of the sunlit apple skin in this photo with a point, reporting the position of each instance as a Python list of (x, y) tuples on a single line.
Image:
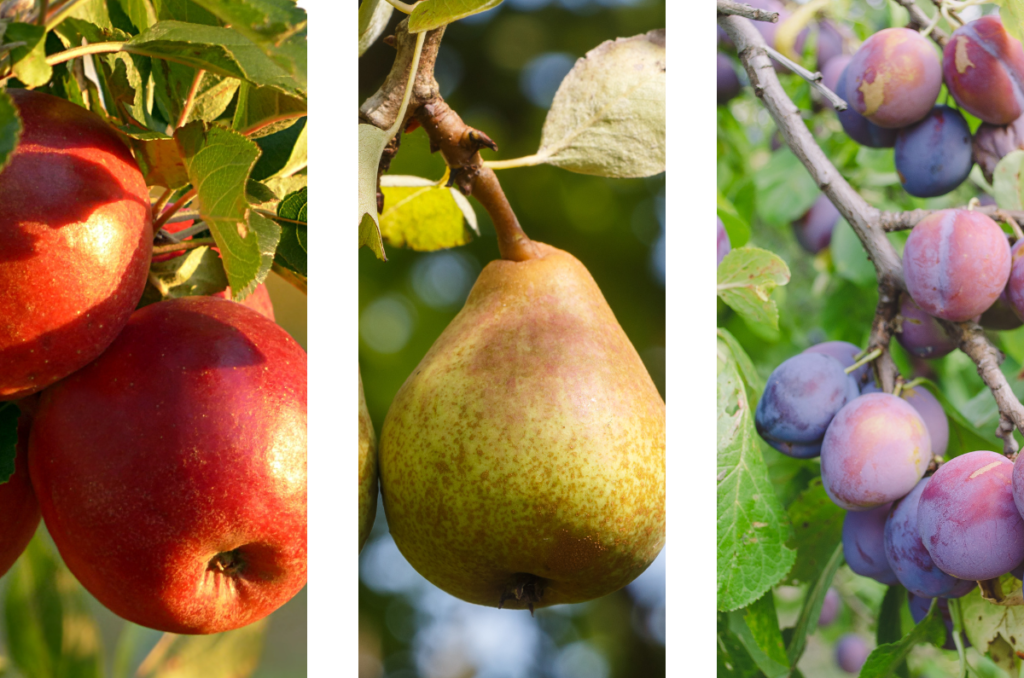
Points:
[(19, 510), (184, 441), (75, 243)]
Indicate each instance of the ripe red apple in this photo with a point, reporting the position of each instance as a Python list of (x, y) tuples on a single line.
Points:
[(171, 471), (19, 510), (75, 243)]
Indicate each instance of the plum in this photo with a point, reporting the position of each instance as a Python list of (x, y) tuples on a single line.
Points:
[(846, 353), (799, 400), (967, 518), (814, 229), (920, 333), (906, 552), (1001, 315), (859, 128), (875, 450), (723, 241), (955, 264), (831, 44), (894, 78), (928, 406), (1018, 485), (830, 607), (984, 70), (933, 156), (991, 143), (1014, 292), (864, 544), (851, 652), (728, 80)]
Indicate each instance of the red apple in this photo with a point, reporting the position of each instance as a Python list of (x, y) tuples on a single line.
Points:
[(75, 243), (19, 510), (171, 471)]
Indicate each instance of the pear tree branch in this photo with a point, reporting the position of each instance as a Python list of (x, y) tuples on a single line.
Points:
[(869, 223)]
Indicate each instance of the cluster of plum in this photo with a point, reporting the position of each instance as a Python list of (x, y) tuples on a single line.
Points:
[(891, 85), (939, 534)]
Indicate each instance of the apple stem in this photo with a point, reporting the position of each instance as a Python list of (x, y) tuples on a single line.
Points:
[(179, 203)]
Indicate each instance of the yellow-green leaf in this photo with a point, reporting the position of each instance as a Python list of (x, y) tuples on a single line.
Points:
[(746, 278), (372, 141), (421, 215), (430, 14), (373, 19)]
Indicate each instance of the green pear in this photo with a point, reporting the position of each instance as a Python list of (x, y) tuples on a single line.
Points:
[(523, 461), (367, 469)]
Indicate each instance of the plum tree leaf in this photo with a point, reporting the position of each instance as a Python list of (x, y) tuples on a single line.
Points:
[(735, 225), (222, 655), (9, 414), (889, 623), (963, 435), (271, 21), (608, 115), (29, 60), (50, 631), (746, 278), (807, 622), (1007, 184), (851, 261), (757, 629), (817, 528), (733, 659), (884, 659), (430, 14), (10, 128), (373, 19), (986, 623), (372, 141), (751, 379), (198, 271), (420, 215), (219, 50), (752, 526), (293, 248), (1012, 13), (218, 162), (784, 189)]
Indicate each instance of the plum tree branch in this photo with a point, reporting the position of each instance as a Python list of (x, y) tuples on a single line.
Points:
[(903, 221), (813, 78), (727, 7), (919, 19), (869, 223)]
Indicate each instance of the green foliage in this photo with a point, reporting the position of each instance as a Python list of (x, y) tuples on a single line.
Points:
[(884, 660), (817, 530), (746, 278)]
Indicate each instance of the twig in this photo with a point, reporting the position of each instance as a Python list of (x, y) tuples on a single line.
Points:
[(289, 276), (1005, 431), (902, 221), (814, 78), (1008, 218), (169, 212), (191, 98), (184, 245), (739, 9), (921, 20)]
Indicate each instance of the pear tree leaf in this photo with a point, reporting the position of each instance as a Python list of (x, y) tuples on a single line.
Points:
[(608, 115), (218, 163), (219, 50), (293, 248), (885, 659), (430, 14), (372, 141), (746, 278), (262, 111), (198, 271), (29, 60), (222, 655), (9, 414), (817, 528), (374, 16), (50, 631), (10, 129), (1012, 13), (807, 622), (752, 525), (420, 215), (270, 21)]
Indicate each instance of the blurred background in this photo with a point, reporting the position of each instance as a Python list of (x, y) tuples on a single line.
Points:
[(500, 70)]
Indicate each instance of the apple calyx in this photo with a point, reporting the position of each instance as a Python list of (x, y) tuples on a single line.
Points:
[(228, 563), (523, 585)]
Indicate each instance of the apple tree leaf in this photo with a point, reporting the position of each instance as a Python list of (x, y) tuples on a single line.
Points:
[(430, 14), (50, 631), (183, 10), (608, 115), (139, 12), (219, 50), (885, 659), (420, 215), (159, 158), (292, 250), (261, 111), (198, 271), (283, 152), (753, 528), (372, 141), (269, 21), (10, 129), (373, 19), (746, 278), (29, 60), (218, 163), (9, 414)]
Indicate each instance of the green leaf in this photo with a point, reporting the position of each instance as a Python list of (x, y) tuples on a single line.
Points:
[(10, 128), (269, 21), (29, 60), (183, 10), (807, 622), (430, 14), (785, 191), (817, 529), (889, 627), (197, 272), (258, 193), (751, 379), (50, 631), (9, 414), (218, 163), (160, 160), (1012, 13), (372, 141), (762, 623), (608, 115), (420, 215), (735, 225), (283, 152), (222, 655), (219, 50), (752, 526), (1006, 181), (733, 659), (746, 278), (849, 257), (988, 624), (963, 435), (292, 250), (139, 12), (373, 19), (885, 659), (262, 111)]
